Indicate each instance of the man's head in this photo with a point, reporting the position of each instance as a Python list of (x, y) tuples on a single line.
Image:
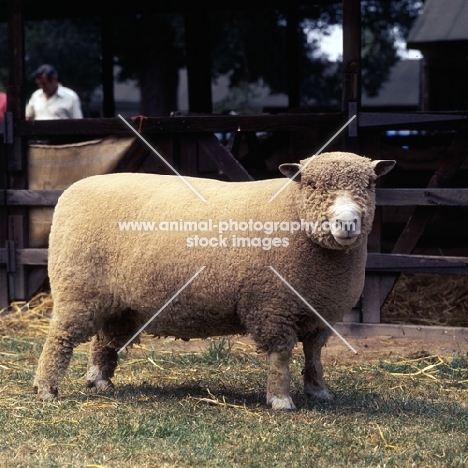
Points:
[(46, 78)]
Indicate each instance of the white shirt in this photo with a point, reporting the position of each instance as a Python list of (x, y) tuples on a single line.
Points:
[(64, 104)]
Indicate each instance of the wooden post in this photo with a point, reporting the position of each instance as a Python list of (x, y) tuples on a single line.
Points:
[(188, 148), (294, 82), (351, 105), (17, 276), (108, 104), (198, 60), (351, 71), (16, 151), (4, 299), (15, 98), (370, 303)]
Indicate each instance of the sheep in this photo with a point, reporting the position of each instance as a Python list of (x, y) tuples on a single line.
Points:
[(107, 282)]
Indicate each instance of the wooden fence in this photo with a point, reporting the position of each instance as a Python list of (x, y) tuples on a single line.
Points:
[(187, 142)]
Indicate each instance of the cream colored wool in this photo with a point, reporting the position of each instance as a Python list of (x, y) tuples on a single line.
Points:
[(106, 283)]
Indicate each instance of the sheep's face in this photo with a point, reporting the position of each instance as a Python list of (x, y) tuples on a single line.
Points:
[(337, 196)]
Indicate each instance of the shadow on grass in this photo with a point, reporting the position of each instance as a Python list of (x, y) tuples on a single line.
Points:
[(390, 404), (346, 402), (175, 393)]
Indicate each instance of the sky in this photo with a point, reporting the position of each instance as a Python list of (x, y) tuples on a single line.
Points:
[(332, 45)]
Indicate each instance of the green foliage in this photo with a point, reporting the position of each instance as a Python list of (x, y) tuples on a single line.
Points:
[(218, 350), (251, 46), (141, 39), (150, 49), (73, 46), (247, 45), (384, 23)]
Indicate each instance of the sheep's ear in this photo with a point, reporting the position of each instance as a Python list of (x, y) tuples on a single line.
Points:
[(291, 170), (383, 166)]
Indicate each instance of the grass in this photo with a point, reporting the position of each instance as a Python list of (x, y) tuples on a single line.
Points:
[(207, 409)]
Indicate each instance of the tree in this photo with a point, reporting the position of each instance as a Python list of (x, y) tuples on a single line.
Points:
[(149, 49), (384, 25), (73, 46), (248, 45), (251, 47)]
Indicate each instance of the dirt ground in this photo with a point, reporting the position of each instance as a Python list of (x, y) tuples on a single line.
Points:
[(370, 349), (373, 349)]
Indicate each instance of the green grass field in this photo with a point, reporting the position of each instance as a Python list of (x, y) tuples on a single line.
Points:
[(207, 409)]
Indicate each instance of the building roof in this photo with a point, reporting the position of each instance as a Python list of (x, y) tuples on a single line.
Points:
[(402, 88), (440, 21)]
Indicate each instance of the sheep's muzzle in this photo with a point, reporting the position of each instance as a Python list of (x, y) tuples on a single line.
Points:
[(345, 220)]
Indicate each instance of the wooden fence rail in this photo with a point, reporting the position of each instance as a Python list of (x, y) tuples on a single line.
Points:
[(384, 197), (195, 135)]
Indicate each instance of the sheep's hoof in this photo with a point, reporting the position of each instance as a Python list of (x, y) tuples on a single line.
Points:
[(97, 379), (284, 403), (319, 393), (100, 384), (45, 393)]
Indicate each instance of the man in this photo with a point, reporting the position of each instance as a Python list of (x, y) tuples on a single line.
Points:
[(52, 100)]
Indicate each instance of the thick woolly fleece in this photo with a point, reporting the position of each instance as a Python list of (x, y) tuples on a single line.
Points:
[(112, 281)]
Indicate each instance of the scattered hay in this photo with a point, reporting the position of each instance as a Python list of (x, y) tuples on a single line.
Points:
[(424, 371), (215, 401), (27, 316), (445, 370), (428, 299)]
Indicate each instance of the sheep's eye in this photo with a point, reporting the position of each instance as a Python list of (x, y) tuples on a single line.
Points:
[(312, 185)]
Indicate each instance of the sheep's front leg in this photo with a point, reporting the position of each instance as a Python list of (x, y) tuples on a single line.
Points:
[(279, 381), (53, 364), (314, 384), (55, 358)]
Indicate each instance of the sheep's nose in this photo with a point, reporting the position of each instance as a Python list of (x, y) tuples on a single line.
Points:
[(346, 229), (348, 226), (345, 219)]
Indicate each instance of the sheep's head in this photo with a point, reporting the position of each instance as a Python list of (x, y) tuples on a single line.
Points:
[(337, 196)]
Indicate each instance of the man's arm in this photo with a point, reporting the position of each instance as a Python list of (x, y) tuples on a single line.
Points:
[(76, 112), (29, 113)]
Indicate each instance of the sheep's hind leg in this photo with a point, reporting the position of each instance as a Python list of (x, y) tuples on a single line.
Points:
[(54, 360), (104, 349), (314, 385), (279, 379)]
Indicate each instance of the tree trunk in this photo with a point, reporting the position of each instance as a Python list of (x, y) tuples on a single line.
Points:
[(159, 60), (159, 82)]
